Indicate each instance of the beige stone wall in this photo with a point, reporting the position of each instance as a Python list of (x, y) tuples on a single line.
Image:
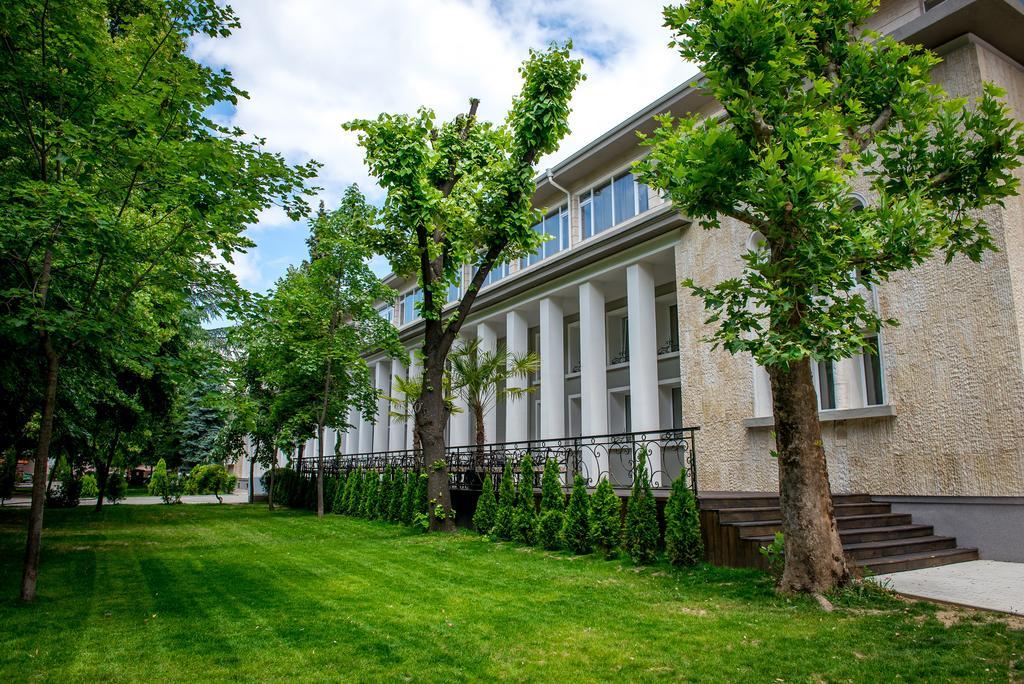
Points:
[(953, 369)]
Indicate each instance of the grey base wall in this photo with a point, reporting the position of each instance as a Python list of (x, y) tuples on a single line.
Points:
[(992, 524)]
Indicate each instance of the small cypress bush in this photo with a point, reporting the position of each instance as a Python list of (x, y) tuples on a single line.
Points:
[(330, 493), (409, 497), (397, 490), (683, 543), (503, 519), (384, 498), (371, 487), (338, 505), (422, 499), (605, 519), (641, 537), (524, 520), (486, 508), (355, 498), (552, 503), (576, 530)]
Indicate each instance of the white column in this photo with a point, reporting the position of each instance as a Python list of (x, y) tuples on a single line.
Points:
[(593, 375), (382, 383), (488, 338), (410, 422), (552, 370), (365, 432), (762, 391), (460, 422), (517, 411), (396, 428), (643, 356), (352, 434)]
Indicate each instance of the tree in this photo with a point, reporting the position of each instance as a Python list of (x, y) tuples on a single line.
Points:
[(524, 518), (606, 518), (210, 478), (8, 475), (371, 495), (683, 543), (480, 378), (576, 532), (505, 518), (121, 197), (552, 503), (460, 193), (814, 106), (486, 508), (409, 497), (640, 539), (163, 485)]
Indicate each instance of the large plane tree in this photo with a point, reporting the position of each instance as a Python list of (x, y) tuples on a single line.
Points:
[(813, 105), (459, 193)]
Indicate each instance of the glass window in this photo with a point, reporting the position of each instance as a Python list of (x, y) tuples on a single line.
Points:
[(554, 228), (673, 327), (624, 190), (497, 272), (602, 207), (410, 311), (677, 407), (873, 372), (454, 293), (387, 313), (826, 381), (586, 217)]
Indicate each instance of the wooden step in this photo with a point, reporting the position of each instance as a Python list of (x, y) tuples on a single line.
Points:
[(916, 561), (754, 528), (898, 547), (843, 510), (718, 502), (863, 534)]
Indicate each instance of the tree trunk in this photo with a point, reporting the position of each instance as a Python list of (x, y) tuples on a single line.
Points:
[(320, 471), (481, 435), (431, 416), (252, 476), (813, 550), (30, 570), (103, 470)]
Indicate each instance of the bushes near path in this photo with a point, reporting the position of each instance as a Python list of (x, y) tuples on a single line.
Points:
[(552, 503)]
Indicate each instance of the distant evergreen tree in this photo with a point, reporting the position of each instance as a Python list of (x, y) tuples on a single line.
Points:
[(683, 543), (397, 490), (200, 426), (384, 497), (605, 519), (486, 508), (641, 537), (355, 499), (524, 521), (552, 504), (504, 518), (576, 530)]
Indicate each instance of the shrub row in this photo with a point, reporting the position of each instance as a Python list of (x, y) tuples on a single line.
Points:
[(391, 495), (590, 522)]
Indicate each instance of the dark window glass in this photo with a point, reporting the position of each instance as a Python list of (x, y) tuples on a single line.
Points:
[(625, 197), (602, 208), (677, 407), (826, 386), (641, 198), (586, 214), (873, 372)]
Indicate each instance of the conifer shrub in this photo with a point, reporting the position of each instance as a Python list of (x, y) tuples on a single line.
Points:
[(504, 518), (344, 495), (90, 488), (117, 487), (683, 543), (371, 494), (640, 540), (575, 532), (384, 498), (486, 508), (422, 498), (395, 500), (409, 497), (552, 504), (605, 519), (524, 520)]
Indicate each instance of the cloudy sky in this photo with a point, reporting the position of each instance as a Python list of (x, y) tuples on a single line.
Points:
[(310, 65)]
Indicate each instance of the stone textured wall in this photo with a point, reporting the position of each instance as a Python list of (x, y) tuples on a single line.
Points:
[(953, 369)]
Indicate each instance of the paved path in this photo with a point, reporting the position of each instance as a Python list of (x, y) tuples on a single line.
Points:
[(20, 501), (992, 585)]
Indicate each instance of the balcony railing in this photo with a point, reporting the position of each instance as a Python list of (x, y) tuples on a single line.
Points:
[(670, 454)]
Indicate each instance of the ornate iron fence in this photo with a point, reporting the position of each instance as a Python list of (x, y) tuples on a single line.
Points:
[(670, 454)]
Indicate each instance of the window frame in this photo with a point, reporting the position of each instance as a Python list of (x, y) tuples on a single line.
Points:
[(585, 198)]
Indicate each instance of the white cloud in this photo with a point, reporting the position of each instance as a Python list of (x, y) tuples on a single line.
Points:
[(310, 65)]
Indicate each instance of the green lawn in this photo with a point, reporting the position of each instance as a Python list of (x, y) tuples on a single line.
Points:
[(201, 593)]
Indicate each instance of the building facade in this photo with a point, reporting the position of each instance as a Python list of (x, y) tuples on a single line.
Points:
[(932, 420)]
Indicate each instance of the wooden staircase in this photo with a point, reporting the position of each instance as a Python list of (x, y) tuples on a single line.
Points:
[(735, 525)]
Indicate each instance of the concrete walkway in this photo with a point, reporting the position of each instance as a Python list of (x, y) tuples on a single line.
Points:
[(238, 497), (991, 585)]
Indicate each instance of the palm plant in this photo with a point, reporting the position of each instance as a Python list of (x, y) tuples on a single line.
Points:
[(480, 377), (403, 406)]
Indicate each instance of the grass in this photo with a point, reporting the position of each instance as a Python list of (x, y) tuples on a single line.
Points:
[(207, 593)]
